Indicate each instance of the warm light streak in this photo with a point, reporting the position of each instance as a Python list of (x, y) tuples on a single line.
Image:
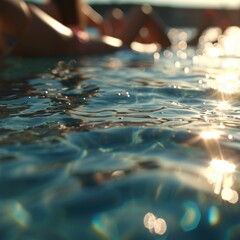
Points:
[(52, 22), (115, 42), (145, 48)]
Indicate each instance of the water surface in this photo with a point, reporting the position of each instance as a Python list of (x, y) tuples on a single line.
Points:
[(122, 146)]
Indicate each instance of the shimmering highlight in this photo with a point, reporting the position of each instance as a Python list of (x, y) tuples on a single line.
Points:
[(154, 224)]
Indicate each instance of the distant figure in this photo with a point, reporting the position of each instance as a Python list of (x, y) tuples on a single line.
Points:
[(27, 30), (78, 13), (141, 21), (210, 19)]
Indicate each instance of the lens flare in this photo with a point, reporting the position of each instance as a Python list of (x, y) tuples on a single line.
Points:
[(213, 216), (145, 47), (149, 220), (154, 224), (221, 175), (209, 135), (191, 217), (160, 226)]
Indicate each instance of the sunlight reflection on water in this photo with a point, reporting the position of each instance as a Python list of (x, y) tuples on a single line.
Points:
[(125, 146)]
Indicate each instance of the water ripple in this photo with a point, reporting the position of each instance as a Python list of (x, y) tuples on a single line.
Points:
[(123, 146)]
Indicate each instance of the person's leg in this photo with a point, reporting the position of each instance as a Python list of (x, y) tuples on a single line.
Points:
[(51, 9), (157, 30), (27, 31), (51, 38), (41, 35), (114, 21), (138, 18), (13, 23), (207, 20), (150, 32), (44, 36)]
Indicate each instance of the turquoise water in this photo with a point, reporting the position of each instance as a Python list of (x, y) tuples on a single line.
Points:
[(122, 146)]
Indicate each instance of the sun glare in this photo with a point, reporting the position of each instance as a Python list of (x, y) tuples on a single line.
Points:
[(227, 83), (221, 175), (222, 166), (209, 135), (223, 105)]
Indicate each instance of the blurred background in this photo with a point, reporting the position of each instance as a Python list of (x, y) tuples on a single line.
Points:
[(176, 13), (181, 3), (179, 13)]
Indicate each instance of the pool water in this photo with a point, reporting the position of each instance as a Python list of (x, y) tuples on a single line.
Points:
[(122, 146)]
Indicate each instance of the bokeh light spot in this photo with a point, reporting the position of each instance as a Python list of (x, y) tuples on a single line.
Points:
[(213, 216), (191, 217)]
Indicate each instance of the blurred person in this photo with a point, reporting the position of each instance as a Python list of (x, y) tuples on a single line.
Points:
[(211, 18), (141, 22), (26, 30)]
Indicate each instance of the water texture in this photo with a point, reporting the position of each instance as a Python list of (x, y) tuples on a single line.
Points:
[(124, 146)]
